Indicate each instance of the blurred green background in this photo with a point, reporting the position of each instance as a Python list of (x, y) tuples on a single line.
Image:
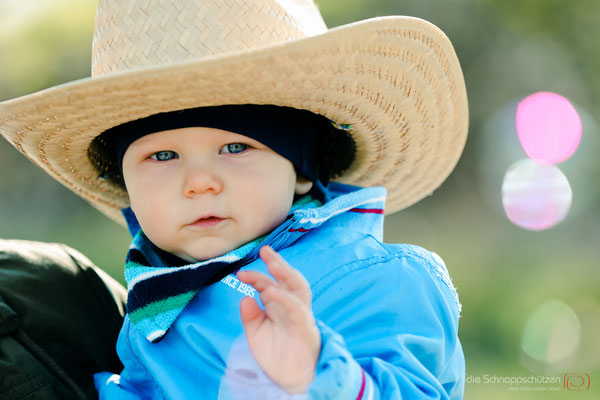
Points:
[(531, 305)]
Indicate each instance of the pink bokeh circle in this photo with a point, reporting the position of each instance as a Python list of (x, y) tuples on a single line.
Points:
[(549, 127)]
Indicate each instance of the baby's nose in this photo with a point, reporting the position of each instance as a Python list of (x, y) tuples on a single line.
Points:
[(201, 180)]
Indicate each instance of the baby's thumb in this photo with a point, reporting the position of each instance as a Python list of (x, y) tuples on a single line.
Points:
[(251, 314)]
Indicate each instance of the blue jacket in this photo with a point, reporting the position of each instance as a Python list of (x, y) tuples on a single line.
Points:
[(388, 316)]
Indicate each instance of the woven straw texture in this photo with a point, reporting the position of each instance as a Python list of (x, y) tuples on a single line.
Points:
[(397, 80)]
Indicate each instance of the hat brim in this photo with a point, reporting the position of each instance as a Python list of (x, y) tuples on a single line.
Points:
[(397, 80)]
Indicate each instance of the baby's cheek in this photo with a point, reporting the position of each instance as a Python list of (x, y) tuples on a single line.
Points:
[(274, 214), (166, 241), (153, 224)]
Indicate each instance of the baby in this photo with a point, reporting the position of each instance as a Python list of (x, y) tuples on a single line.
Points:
[(209, 204)]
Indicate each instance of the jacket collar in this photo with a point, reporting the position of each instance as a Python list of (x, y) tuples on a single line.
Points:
[(352, 207)]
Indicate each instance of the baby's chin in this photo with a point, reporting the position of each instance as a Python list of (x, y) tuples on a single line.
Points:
[(207, 251), (194, 257)]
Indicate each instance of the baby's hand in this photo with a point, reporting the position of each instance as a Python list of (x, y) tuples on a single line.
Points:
[(284, 339)]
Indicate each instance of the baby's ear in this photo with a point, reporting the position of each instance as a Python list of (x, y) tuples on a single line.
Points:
[(303, 185)]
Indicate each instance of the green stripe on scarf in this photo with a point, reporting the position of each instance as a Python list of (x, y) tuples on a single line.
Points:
[(158, 307)]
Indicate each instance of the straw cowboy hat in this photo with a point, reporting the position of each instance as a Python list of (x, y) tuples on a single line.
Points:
[(395, 79)]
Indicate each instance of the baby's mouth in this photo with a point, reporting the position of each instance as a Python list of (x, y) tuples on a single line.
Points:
[(207, 222)]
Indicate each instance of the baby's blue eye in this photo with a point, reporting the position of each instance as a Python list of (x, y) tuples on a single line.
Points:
[(234, 148), (164, 155)]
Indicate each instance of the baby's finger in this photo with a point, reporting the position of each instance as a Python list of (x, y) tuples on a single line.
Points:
[(285, 274), (251, 314), (263, 284), (256, 279), (281, 305), (274, 310)]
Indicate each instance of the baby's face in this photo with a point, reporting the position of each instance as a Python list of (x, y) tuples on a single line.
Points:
[(199, 193)]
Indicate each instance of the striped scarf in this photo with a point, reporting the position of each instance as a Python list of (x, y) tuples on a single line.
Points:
[(159, 287)]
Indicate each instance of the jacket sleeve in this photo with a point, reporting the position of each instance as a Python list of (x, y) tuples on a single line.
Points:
[(389, 330)]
